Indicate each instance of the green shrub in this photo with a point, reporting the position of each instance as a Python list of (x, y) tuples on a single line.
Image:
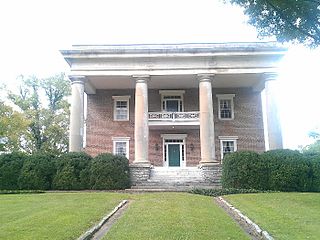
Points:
[(20, 191), (72, 171), (244, 170), (109, 171), (224, 191), (288, 170), (10, 168), (37, 172), (315, 168)]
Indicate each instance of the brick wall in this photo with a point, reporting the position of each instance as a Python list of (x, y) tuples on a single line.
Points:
[(247, 124)]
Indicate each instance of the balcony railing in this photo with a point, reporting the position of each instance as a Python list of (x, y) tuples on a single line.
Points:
[(174, 116)]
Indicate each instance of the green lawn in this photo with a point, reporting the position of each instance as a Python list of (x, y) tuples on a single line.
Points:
[(174, 216), (283, 215), (52, 215), (149, 216)]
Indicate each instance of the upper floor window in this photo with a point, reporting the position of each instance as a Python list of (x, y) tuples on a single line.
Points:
[(228, 144), (226, 106), (121, 108), (172, 100), (121, 146)]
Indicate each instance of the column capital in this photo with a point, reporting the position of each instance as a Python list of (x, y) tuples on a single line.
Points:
[(205, 77), (77, 79), (271, 76), (141, 78)]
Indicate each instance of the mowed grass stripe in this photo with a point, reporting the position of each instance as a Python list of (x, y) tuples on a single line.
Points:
[(174, 216), (52, 215), (283, 215)]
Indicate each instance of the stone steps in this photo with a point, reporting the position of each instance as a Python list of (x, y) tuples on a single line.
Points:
[(182, 179)]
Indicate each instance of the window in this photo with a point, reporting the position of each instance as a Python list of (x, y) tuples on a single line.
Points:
[(225, 102), (172, 100), (121, 108), (228, 144), (121, 146)]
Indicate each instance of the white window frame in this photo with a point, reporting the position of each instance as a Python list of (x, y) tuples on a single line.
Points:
[(121, 140), (123, 99), (226, 97), (166, 93), (233, 139)]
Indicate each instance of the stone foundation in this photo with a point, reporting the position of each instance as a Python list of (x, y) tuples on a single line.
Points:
[(211, 173), (139, 173)]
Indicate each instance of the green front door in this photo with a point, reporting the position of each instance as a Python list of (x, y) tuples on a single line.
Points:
[(174, 155)]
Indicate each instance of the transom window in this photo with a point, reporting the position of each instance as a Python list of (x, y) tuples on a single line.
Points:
[(121, 146), (172, 100), (121, 108), (226, 111), (228, 144)]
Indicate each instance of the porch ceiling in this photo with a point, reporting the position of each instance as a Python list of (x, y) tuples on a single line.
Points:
[(176, 81)]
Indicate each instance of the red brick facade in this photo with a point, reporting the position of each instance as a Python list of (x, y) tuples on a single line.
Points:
[(247, 124)]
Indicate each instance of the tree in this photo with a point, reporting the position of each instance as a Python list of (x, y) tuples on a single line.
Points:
[(44, 103), (13, 128), (290, 20), (313, 148)]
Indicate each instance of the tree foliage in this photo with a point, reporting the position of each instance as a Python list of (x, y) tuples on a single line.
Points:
[(313, 148), (43, 102), (13, 126), (290, 20)]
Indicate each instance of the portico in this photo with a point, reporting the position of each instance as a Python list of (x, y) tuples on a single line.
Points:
[(182, 105)]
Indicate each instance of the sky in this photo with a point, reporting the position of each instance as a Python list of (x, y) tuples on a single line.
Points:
[(32, 33)]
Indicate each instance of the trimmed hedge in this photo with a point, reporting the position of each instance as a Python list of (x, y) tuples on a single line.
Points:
[(245, 170), (225, 191), (70, 171), (10, 168), (109, 172), (315, 172), (277, 170), (37, 172)]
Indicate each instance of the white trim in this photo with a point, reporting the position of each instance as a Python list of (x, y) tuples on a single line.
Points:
[(172, 92), (121, 139), (179, 93), (226, 97), (121, 98), (174, 136), (228, 139), (165, 146)]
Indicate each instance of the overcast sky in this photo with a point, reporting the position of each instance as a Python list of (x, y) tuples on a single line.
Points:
[(33, 32)]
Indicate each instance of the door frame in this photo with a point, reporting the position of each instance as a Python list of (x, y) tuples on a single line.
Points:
[(181, 140)]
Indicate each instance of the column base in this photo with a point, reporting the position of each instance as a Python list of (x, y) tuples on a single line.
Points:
[(139, 172), (211, 172)]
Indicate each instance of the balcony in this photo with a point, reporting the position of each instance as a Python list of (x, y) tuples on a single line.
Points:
[(174, 119)]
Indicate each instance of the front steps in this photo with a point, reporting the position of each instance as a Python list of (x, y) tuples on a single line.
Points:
[(176, 179)]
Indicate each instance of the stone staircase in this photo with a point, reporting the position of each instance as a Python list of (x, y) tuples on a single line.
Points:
[(179, 179)]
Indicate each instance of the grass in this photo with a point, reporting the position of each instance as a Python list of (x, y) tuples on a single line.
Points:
[(52, 215), (149, 216), (283, 215), (174, 216)]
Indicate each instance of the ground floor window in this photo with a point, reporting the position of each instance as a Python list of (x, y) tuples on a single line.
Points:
[(121, 146), (228, 144)]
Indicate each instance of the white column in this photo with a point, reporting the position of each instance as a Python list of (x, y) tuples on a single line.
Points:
[(141, 127), (207, 139), (273, 120), (76, 114)]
